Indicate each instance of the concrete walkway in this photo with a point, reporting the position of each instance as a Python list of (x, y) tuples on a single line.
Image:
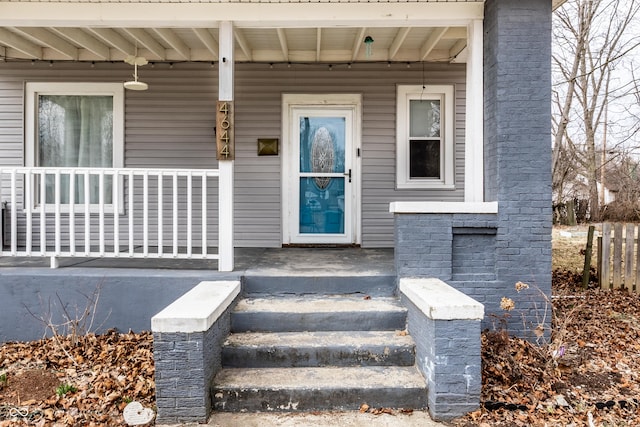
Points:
[(341, 419)]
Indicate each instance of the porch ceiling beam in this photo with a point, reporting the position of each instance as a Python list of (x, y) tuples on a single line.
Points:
[(243, 43), (172, 39), (397, 41), (357, 43), (146, 40), (51, 40), (456, 33), (208, 40), (88, 42), (246, 15), (318, 43), (458, 47), (283, 43), (431, 42), (19, 43), (114, 39)]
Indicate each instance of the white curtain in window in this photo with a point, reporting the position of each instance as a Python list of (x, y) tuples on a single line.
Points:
[(76, 131)]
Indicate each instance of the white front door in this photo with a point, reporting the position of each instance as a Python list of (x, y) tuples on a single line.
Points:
[(321, 171)]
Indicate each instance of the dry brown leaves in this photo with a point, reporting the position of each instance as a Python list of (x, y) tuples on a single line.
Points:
[(107, 371), (595, 374)]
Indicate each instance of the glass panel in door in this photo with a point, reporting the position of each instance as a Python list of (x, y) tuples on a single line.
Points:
[(322, 175)]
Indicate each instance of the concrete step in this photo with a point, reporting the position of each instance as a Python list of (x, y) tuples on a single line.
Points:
[(310, 389), (299, 283), (323, 348), (318, 313)]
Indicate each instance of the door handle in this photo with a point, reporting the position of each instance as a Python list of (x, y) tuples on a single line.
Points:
[(348, 174)]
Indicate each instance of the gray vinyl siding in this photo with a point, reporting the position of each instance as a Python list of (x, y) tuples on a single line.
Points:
[(172, 126)]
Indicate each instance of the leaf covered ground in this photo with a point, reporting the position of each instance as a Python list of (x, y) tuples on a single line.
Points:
[(587, 375), (76, 380)]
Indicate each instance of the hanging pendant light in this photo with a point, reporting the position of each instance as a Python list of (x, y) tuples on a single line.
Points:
[(135, 84), (368, 42)]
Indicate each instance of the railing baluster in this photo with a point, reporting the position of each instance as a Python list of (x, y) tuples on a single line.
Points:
[(175, 214), (204, 214), (145, 214), (131, 214), (28, 186), (160, 219), (43, 208), (56, 212), (115, 201), (14, 215), (189, 214), (87, 213), (72, 212), (101, 211)]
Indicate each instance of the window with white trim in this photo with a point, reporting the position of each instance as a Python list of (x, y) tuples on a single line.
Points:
[(425, 137), (79, 125)]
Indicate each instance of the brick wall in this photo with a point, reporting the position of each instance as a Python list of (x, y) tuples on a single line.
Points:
[(447, 353), (517, 74), (445, 245), (185, 366)]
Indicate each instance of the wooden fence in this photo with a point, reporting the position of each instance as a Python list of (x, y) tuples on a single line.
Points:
[(618, 260)]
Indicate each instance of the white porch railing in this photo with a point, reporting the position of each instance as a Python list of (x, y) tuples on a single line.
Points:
[(110, 213)]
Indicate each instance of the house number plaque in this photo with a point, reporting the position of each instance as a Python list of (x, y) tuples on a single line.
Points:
[(224, 130)]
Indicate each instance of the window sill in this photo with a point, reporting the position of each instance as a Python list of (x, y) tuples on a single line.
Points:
[(424, 186), (443, 207)]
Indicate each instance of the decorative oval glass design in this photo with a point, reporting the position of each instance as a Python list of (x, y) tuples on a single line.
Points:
[(322, 156)]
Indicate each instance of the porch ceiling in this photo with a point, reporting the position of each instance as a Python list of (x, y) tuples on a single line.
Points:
[(316, 44), (279, 31)]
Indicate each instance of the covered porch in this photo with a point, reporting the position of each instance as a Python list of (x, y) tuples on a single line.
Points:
[(253, 56)]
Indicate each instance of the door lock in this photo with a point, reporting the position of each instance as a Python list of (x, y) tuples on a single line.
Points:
[(348, 174)]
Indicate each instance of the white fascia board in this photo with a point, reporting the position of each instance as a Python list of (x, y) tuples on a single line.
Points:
[(243, 15), (443, 207)]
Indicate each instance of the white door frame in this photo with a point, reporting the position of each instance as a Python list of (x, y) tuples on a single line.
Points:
[(290, 220)]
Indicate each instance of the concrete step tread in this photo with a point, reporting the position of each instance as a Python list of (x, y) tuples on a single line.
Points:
[(336, 378), (323, 304), (320, 339)]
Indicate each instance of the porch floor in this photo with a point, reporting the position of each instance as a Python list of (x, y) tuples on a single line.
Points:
[(248, 261)]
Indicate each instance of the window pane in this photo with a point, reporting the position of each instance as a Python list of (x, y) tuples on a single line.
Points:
[(424, 159), (424, 118), (76, 131)]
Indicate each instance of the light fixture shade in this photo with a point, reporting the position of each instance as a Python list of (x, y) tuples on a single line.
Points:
[(136, 85)]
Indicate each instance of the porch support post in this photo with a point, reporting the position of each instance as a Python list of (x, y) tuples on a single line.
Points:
[(474, 164), (225, 192)]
